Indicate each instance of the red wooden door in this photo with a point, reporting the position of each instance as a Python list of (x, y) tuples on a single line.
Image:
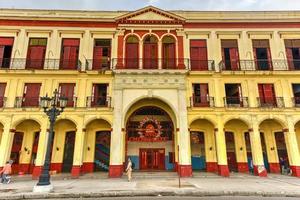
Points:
[(132, 55), (1, 56), (152, 159), (31, 95), (15, 151), (198, 55), (5, 44), (36, 57), (150, 56), (230, 149), (67, 90), (34, 151), (97, 61), (169, 56), (234, 58), (2, 92), (267, 94), (69, 56)]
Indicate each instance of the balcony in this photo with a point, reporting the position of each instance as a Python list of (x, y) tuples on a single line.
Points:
[(296, 102), (98, 65), (202, 65), (259, 65), (202, 101), (98, 102), (39, 64), (2, 102), (270, 102), (27, 102), (236, 102), (72, 102), (150, 64)]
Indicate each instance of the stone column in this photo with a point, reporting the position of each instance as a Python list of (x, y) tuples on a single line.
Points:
[(184, 144), (41, 153), (221, 149), (116, 148), (78, 152), (120, 56), (292, 147), (256, 149), (5, 146), (159, 46)]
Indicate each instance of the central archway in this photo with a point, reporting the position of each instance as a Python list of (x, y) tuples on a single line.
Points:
[(150, 138)]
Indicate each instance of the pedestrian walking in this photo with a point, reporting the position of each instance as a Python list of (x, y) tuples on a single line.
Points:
[(129, 169), (5, 172), (282, 165)]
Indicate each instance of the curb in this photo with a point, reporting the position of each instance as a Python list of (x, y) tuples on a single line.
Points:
[(191, 193)]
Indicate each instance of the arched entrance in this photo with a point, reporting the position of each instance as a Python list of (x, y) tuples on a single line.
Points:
[(25, 146), (203, 149), (238, 156), (132, 53), (150, 52), (275, 147), (150, 136), (63, 146), (169, 52), (97, 146)]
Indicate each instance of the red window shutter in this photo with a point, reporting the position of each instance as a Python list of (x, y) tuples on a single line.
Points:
[(150, 56), (97, 61), (169, 55), (4, 41), (269, 93), (2, 92), (71, 42), (198, 55), (269, 58), (95, 93), (1, 55), (70, 52), (289, 55), (261, 92), (234, 57), (31, 94), (132, 55), (67, 90), (35, 57)]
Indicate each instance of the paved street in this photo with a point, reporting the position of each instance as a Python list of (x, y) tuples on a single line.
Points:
[(155, 184), (193, 198)]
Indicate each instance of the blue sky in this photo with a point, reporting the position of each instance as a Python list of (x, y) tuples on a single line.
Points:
[(164, 4)]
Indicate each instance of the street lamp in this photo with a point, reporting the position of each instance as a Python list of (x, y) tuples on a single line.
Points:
[(53, 107)]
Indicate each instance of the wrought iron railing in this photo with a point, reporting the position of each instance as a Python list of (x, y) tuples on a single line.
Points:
[(24, 102), (72, 102), (2, 102), (296, 102), (202, 65), (235, 102), (202, 101), (102, 101), (270, 102), (98, 65)]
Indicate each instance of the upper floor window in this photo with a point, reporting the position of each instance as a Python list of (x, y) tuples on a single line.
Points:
[(233, 95), (267, 95), (36, 53), (132, 53), (99, 95), (150, 59), (230, 55), (2, 92), (67, 90), (198, 55), (293, 53), (31, 95), (102, 54), (169, 52), (200, 95), (262, 54), (6, 45), (296, 91), (69, 54)]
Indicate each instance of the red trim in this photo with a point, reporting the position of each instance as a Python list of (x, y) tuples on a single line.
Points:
[(24, 168), (243, 25), (87, 167), (75, 172), (120, 64), (180, 53), (274, 168), (295, 171), (261, 174), (185, 170), (223, 170), (115, 171), (56, 167), (211, 166), (176, 166), (37, 171), (243, 167)]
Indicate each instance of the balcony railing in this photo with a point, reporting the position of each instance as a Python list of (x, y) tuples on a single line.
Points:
[(202, 101), (72, 102), (236, 102), (150, 64), (27, 102), (96, 64), (270, 102), (102, 101), (202, 65), (39, 64), (296, 102), (2, 102)]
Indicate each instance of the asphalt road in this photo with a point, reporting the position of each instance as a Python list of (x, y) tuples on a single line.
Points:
[(192, 198)]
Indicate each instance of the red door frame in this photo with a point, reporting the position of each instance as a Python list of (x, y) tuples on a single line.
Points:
[(150, 61), (160, 159)]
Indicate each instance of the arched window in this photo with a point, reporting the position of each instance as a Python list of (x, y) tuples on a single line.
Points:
[(150, 52), (169, 52), (132, 53)]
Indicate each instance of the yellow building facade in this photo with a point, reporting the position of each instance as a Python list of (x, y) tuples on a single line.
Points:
[(172, 90)]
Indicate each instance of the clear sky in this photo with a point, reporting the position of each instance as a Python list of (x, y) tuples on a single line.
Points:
[(164, 4)]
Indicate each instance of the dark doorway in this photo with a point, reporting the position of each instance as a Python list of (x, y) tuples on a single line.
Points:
[(69, 151), (264, 150), (15, 151), (102, 151), (34, 151), (230, 149)]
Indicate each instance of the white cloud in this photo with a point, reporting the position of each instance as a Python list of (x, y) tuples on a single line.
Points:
[(164, 4)]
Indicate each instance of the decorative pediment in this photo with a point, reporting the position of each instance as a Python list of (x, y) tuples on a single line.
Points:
[(151, 15)]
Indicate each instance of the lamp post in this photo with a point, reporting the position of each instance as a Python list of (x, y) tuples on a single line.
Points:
[(53, 107)]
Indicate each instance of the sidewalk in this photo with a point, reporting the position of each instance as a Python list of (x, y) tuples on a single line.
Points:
[(153, 184)]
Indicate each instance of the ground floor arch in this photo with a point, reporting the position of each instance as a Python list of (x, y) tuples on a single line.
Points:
[(97, 144), (203, 148)]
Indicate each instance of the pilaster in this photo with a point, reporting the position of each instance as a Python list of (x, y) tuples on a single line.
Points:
[(78, 151)]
